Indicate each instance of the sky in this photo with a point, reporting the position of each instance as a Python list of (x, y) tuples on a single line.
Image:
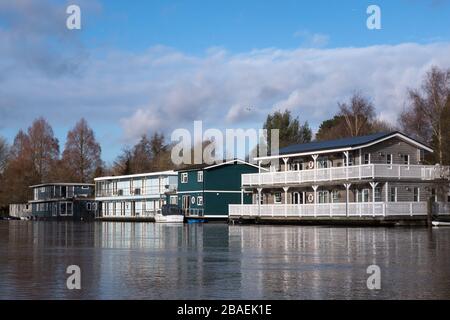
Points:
[(139, 67)]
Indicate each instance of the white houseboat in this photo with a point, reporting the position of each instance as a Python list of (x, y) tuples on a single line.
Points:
[(380, 177), (135, 197)]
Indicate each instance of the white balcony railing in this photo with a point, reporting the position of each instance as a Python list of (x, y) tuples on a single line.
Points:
[(362, 209), (346, 173)]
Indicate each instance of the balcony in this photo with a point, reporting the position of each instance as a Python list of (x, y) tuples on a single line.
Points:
[(367, 171), (354, 209)]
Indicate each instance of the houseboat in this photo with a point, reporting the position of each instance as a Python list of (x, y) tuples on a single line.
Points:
[(379, 177), (63, 201), (135, 197), (205, 191)]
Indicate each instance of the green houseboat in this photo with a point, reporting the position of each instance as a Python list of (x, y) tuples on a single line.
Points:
[(205, 191)]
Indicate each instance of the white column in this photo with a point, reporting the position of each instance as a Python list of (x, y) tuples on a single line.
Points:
[(315, 187), (346, 164), (285, 160), (242, 196), (373, 185), (315, 156), (285, 199), (259, 200), (347, 199)]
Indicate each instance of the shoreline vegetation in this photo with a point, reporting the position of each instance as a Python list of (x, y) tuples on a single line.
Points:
[(34, 157)]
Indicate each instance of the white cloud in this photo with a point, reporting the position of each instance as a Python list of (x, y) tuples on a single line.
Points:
[(125, 94)]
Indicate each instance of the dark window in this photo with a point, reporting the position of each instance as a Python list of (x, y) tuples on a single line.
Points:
[(366, 158)]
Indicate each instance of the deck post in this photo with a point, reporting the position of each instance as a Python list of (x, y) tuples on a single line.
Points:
[(347, 186), (373, 185), (315, 187), (259, 201), (346, 164), (285, 200), (315, 156)]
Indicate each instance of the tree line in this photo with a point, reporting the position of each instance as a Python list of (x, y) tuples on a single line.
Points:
[(34, 156)]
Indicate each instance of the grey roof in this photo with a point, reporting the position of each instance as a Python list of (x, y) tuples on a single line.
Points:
[(336, 144)]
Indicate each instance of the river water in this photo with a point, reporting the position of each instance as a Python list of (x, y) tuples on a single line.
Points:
[(121, 260)]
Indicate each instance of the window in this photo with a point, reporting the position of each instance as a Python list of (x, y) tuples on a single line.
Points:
[(184, 177), (200, 176), (367, 158), (335, 195), (173, 200), (416, 194), (199, 200), (421, 155), (88, 206), (393, 194), (350, 160), (378, 194), (405, 158), (137, 191), (323, 196), (322, 163), (277, 197), (389, 158), (85, 187), (434, 195)]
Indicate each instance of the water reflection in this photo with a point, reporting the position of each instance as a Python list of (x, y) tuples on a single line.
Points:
[(217, 261)]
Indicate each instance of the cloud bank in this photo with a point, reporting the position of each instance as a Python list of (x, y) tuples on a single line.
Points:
[(125, 94)]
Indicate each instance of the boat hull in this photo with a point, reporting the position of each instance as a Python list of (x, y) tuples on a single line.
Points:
[(159, 218)]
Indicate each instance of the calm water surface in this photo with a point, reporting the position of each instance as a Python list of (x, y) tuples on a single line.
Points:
[(217, 261)]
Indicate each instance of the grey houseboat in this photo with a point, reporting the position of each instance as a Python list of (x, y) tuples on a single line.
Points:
[(71, 201), (380, 177)]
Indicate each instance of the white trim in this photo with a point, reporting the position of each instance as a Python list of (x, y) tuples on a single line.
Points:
[(140, 175), (233, 161), (397, 134), (183, 176), (209, 191), (214, 216)]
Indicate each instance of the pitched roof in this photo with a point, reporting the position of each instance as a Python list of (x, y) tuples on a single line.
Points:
[(345, 143), (333, 144), (205, 166)]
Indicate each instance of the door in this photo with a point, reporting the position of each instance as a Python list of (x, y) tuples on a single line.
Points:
[(186, 201), (296, 198)]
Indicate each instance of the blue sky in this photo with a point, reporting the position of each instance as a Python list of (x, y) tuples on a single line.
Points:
[(145, 66)]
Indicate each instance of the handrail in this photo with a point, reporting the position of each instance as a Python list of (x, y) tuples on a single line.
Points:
[(396, 171)]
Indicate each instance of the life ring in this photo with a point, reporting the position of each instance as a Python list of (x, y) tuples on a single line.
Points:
[(310, 198), (193, 200), (311, 165)]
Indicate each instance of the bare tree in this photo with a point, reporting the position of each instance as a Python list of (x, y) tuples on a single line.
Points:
[(4, 152), (44, 148), (82, 153), (358, 113), (424, 116)]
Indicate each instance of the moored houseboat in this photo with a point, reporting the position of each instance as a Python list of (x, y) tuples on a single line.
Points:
[(379, 177)]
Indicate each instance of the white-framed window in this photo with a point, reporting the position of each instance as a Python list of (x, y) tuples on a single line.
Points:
[(389, 158), (378, 194), (173, 200), (277, 197), (184, 177), (200, 176), (323, 196), (322, 163), (405, 158), (393, 194), (366, 158), (416, 194), (85, 187), (335, 195), (363, 195), (200, 200), (350, 160)]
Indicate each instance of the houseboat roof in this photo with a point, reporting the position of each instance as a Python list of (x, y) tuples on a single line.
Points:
[(138, 175), (205, 166), (345, 144), (63, 184)]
